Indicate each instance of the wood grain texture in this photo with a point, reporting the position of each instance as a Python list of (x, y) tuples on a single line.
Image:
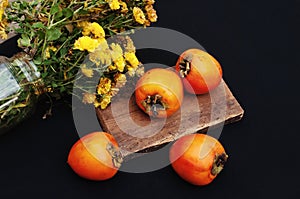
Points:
[(136, 132)]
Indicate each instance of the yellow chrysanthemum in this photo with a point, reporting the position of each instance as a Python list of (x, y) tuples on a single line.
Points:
[(3, 33), (97, 30), (88, 98), (3, 23), (104, 86), (131, 71), (93, 29), (101, 55), (116, 51), (86, 43), (150, 2), (3, 5), (112, 67), (124, 7), (103, 45), (140, 71), (152, 16), (104, 102), (132, 59), (120, 80), (139, 15), (120, 64), (87, 72), (113, 4)]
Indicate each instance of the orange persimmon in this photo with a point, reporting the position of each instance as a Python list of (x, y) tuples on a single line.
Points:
[(95, 156), (197, 158), (199, 71), (159, 92)]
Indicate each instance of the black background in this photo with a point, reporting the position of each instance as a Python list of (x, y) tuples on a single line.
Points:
[(257, 45)]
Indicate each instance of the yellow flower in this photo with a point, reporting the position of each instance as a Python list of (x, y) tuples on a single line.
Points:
[(124, 7), (120, 80), (140, 71), (47, 52), (3, 5), (112, 67), (91, 28), (86, 43), (103, 45), (132, 59), (102, 54), (152, 16), (105, 101), (131, 71), (104, 86), (113, 4), (139, 15), (116, 51), (150, 2), (97, 30), (88, 98), (120, 64), (87, 72)]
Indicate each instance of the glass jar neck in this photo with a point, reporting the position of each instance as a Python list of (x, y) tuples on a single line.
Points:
[(22, 71)]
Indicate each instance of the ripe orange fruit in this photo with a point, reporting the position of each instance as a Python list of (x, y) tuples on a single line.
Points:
[(159, 92), (200, 71), (95, 156), (197, 158)]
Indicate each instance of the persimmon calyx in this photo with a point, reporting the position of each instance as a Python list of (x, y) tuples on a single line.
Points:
[(116, 155), (185, 66), (153, 104), (219, 163)]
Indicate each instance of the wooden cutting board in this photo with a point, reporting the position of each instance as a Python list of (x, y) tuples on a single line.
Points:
[(137, 133)]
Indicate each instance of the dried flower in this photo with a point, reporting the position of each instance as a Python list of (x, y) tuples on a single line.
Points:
[(139, 15)]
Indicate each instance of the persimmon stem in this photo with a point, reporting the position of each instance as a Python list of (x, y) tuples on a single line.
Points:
[(153, 104), (219, 163), (115, 154), (185, 66)]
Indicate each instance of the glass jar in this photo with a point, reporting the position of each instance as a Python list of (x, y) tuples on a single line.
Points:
[(20, 86)]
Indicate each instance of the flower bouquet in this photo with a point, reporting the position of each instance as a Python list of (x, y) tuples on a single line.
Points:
[(64, 41)]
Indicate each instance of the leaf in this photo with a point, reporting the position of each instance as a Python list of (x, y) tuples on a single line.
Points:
[(38, 25), (67, 12), (38, 60), (24, 41), (63, 52), (54, 9), (53, 34), (58, 16), (54, 85)]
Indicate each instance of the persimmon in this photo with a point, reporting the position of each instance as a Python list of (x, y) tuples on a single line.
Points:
[(199, 70), (95, 156), (197, 158), (159, 92)]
